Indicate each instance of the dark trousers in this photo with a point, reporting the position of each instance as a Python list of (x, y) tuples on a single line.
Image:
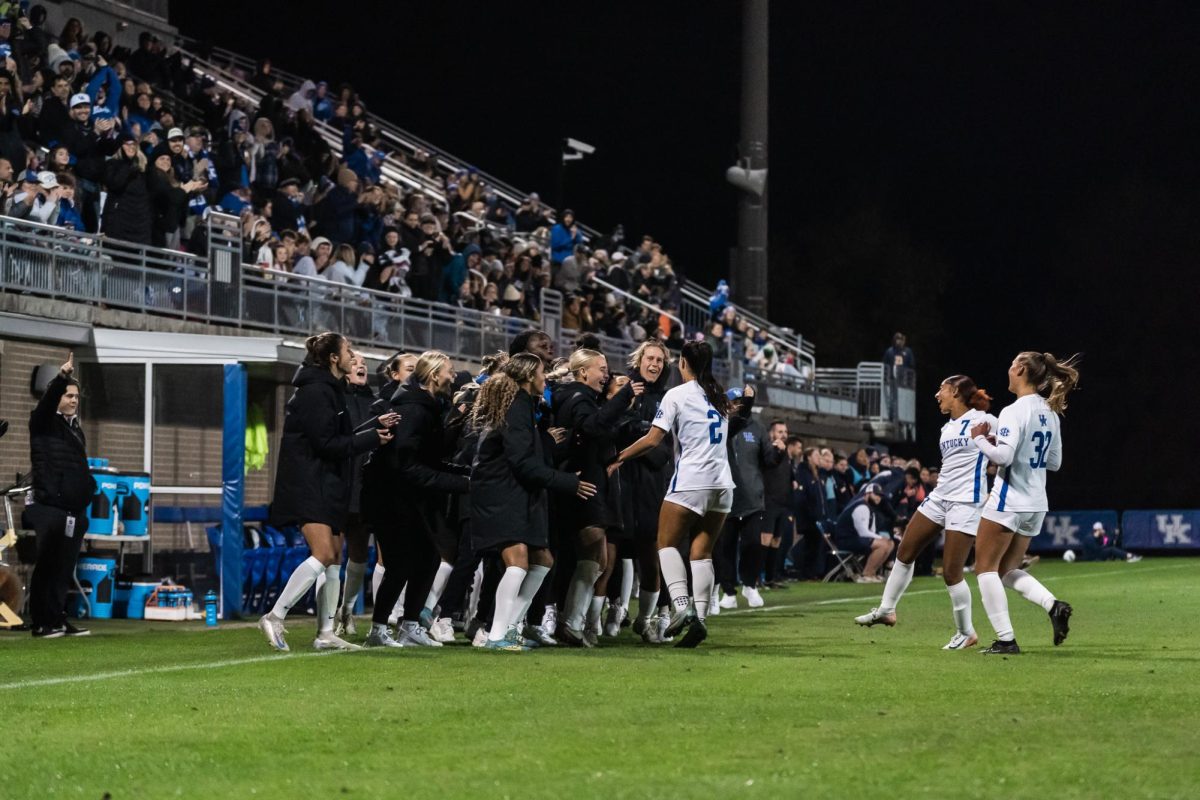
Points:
[(739, 552), (808, 554), (55, 566), (454, 597), (412, 562)]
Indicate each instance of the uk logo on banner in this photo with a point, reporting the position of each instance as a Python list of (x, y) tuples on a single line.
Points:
[(1167, 528), (1173, 529), (1062, 530), (1066, 530)]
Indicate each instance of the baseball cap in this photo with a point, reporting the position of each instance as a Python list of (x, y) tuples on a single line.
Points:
[(320, 240), (80, 99), (47, 180), (1097, 526), (29, 176), (734, 394), (175, 133)]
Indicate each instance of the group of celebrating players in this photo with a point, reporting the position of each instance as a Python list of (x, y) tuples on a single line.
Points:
[(540, 489)]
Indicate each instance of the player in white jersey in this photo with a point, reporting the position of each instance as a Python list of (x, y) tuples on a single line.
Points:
[(953, 505), (1028, 443), (701, 491)]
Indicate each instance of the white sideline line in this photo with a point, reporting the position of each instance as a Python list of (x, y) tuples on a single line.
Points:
[(234, 662), (839, 600), (128, 673)]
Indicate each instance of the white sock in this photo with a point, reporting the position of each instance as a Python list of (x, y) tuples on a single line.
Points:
[(476, 590), (595, 609), (320, 584), (302, 579), (703, 580), (897, 582), (439, 585), (580, 593), (626, 581), (376, 579), (378, 628), (995, 603), (529, 589), (355, 572), (647, 602), (675, 573), (1030, 588), (327, 598), (960, 601), (507, 593)]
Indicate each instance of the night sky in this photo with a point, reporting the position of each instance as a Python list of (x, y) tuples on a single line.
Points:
[(988, 179)]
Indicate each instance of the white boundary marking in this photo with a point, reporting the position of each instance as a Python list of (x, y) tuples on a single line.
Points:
[(235, 662)]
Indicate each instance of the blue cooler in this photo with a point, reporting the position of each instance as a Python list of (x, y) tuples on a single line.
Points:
[(134, 501), (98, 463), (130, 599), (98, 578), (100, 511)]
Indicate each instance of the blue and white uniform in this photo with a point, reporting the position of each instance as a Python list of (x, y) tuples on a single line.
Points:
[(1028, 444), (702, 481), (957, 500)]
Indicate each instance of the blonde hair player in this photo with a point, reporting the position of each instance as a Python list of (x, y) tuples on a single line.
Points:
[(1028, 443)]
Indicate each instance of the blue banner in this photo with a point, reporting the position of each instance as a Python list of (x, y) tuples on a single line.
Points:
[(233, 488), (1161, 529), (1064, 530)]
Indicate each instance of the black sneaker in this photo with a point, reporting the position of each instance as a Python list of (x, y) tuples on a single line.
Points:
[(1060, 618), (696, 633), (75, 630), (49, 633), (570, 638), (681, 619), (1001, 648)]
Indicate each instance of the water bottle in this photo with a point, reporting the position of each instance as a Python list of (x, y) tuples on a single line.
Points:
[(210, 608)]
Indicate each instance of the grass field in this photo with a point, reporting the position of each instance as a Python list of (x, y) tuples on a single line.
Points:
[(789, 701)]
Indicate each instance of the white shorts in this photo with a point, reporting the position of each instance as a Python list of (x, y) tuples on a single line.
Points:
[(961, 517), (702, 501), (1026, 523)]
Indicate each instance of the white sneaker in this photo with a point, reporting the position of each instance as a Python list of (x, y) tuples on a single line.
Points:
[(330, 641), (345, 622), (714, 603), (550, 619), (728, 601), (1132, 558), (664, 620), (752, 596), (380, 637), (411, 634), (876, 617), (612, 623), (481, 637), (273, 629), (442, 630), (865, 579), (961, 641)]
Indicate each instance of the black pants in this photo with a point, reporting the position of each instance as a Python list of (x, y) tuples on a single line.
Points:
[(739, 551), (412, 562), (808, 554), (454, 597), (55, 566)]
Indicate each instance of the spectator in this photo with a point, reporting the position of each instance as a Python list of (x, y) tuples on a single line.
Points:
[(532, 215), (343, 270), (861, 530), (564, 238), (431, 254), (68, 215), (454, 274), (899, 355), (1099, 546), (719, 299), (168, 198), (127, 211), (335, 211), (571, 271)]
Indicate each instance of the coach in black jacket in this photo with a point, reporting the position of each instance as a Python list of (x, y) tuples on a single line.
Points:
[(62, 488)]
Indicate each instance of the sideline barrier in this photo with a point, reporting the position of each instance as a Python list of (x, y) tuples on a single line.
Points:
[(1174, 529), (1063, 530)]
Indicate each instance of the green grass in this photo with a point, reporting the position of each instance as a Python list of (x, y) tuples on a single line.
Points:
[(791, 702)]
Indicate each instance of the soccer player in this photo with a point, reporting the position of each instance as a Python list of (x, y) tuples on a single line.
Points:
[(1028, 444), (701, 492), (359, 400), (954, 505)]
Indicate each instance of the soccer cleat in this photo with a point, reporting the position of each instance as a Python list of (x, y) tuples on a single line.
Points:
[(696, 633), (345, 622), (550, 619), (616, 615), (442, 630), (1060, 619), (426, 618), (1132, 558), (961, 642), (571, 637), (379, 637), (680, 620), (330, 641), (1000, 648), (53, 633), (752, 596), (538, 634), (273, 629), (591, 637), (528, 643), (877, 617), (75, 630), (728, 601), (480, 638), (504, 645), (411, 634), (664, 619), (473, 628)]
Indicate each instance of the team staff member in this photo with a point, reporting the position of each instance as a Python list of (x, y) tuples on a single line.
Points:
[(779, 524), (62, 488), (312, 484), (359, 401)]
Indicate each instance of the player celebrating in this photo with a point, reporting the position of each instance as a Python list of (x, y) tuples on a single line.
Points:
[(954, 505), (701, 491), (1028, 443)]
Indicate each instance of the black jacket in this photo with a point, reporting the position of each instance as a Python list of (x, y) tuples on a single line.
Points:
[(61, 477), (810, 499), (777, 483), (127, 212), (593, 446), (169, 205), (313, 481), (359, 401), (749, 455), (644, 480), (509, 479)]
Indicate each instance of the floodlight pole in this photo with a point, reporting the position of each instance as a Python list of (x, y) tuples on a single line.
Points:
[(749, 268)]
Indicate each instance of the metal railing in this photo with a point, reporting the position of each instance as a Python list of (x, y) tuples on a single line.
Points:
[(696, 314), (885, 394)]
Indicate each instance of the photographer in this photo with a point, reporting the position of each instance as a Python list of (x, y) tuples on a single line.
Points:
[(168, 198), (127, 212), (62, 488), (432, 254)]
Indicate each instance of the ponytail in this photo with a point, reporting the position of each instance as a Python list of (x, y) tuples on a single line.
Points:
[(321, 347), (699, 357), (970, 394), (1052, 378)]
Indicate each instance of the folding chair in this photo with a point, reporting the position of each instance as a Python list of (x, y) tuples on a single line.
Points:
[(848, 565)]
